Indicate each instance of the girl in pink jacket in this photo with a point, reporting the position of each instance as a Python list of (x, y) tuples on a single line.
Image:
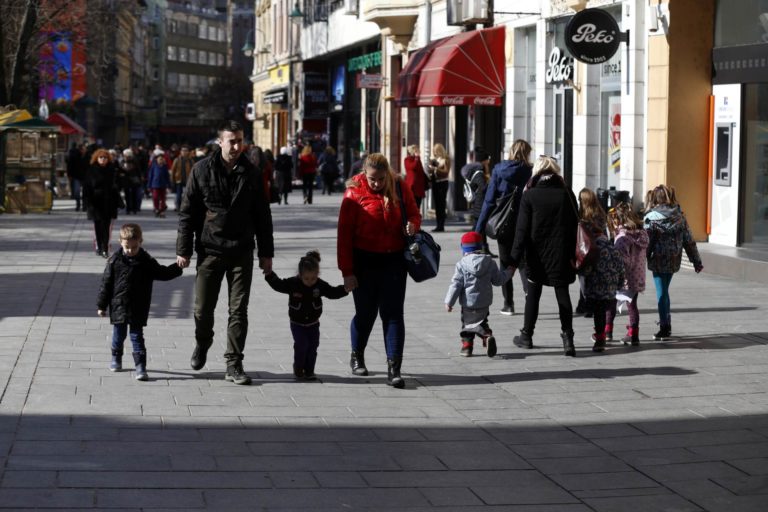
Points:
[(631, 240)]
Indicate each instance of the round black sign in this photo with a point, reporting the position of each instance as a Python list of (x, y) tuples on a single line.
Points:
[(592, 36)]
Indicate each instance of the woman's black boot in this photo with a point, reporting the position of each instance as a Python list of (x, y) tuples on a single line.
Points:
[(357, 363), (568, 347), (393, 373)]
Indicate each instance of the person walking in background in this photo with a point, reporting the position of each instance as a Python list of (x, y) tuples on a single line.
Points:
[(126, 290), (307, 172), (545, 238), (415, 176), (131, 182), (477, 174), (305, 305), (159, 180), (180, 170), (102, 197), (76, 168), (631, 240), (472, 285), (668, 236), (357, 166), (329, 169), (508, 177), (284, 174), (223, 208), (592, 215), (439, 170), (370, 256)]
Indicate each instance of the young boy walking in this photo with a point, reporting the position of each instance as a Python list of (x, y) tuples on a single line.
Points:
[(472, 285), (126, 289)]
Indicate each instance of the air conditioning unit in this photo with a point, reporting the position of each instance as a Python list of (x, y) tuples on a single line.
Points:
[(352, 7), (468, 12)]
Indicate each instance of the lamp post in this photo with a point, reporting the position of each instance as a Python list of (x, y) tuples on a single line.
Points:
[(295, 17)]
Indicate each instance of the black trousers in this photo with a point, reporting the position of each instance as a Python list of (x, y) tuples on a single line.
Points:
[(440, 197), (505, 251), (308, 185), (101, 229), (532, 307)]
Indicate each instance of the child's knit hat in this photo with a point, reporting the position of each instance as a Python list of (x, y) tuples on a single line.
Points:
[(471, 241)]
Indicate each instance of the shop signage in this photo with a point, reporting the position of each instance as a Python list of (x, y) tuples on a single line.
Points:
[(559, 68), (279, 75), (315, 95), (278, 96), (369, 81), (368, 60), (593, 36)]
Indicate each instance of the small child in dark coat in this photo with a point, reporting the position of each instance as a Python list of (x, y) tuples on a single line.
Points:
[(126, 289), (305, 306)]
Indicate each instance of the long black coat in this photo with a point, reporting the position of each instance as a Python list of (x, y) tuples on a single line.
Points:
[(546, 232), (126, 286), (101, 192)]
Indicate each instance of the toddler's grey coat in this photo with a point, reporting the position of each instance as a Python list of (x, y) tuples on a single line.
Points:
[(473, 281)]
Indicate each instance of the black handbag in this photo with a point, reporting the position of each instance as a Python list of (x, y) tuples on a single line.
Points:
[(501, 223), (422, 253)]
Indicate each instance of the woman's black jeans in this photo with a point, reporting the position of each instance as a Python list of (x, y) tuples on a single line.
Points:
[(440, 198), (308, 185), (532, 307)]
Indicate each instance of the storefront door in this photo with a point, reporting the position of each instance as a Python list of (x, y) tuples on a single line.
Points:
[(563, 130), (755, 190)]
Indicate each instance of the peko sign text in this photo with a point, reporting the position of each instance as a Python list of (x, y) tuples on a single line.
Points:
[(593, 36)]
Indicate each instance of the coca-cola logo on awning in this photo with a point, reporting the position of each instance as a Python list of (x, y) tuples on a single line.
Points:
[(593, 36)]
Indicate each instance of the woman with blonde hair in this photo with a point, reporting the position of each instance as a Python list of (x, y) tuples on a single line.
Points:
[(508, 177), (307, 172), (371, 240), (439, 170), (102, 197), (545, 238), (415, 177)]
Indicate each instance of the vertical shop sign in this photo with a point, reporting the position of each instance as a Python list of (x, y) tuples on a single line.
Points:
[(315, 95), (614, 133)]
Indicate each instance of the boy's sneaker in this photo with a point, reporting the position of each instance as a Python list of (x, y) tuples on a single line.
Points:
[(507, 310), (236, 374), (490, 341), (466, 348)]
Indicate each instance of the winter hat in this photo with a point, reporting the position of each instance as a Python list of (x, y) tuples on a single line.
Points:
[(471, 241)]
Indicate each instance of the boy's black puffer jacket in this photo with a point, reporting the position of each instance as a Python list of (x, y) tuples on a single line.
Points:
[(126, 287), (222, 212)]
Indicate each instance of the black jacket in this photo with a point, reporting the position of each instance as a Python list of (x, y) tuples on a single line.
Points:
[(126, 286), (222, 212), (101, 193), (546, 231), (305, 304)]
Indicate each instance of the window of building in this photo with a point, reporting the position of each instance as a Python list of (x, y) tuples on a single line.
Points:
[(220, 59), (182, 54), (747, 24), (183, 81), (212, 33), (155, 43), (173, 79), (172, 53), (193, 55), (173, 26), (202, 30), (202, 57), (220, 33), (193, 83)]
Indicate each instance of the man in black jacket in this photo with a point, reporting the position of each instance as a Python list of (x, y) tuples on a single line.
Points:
[(224, 207)]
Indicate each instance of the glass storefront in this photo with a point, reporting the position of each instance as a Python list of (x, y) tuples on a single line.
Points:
[(755, 222), (745, 23)]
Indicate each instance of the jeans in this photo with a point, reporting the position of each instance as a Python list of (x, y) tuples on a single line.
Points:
[(380, 292), (662, 282), (507, 289), (76, 188), (307, 186), (306, 339), (179, 192), (532, 307), (119, 333), (440, 197), (211, 270)]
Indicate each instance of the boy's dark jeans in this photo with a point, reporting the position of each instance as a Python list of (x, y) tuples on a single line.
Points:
[(306, 339), (119, 333), (211, 270)]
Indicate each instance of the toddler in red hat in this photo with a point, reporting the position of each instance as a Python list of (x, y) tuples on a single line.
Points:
[(472, 285)]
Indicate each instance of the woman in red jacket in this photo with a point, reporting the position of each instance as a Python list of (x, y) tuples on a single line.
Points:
[(308, 172), (371, 240), (415, 177)]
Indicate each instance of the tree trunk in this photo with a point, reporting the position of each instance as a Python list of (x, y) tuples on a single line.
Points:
[(20, 58)]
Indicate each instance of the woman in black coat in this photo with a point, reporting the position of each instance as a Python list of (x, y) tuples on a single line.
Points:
[(545, 239), (102, 197)]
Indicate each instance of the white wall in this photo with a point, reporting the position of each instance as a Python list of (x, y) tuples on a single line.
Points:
[(725, 200)]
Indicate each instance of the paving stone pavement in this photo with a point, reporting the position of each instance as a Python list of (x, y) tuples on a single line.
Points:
[(680, 425)]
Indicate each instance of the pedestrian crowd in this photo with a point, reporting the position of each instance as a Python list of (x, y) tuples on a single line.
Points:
[(223, 202)]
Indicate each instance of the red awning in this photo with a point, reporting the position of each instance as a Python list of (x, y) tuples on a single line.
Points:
[(68, 126), (465, 69)]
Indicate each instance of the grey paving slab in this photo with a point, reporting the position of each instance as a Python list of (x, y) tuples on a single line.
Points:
[(679, 425)]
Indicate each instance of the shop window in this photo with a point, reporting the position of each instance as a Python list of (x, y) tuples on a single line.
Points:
[(745, 24), (756, 165)]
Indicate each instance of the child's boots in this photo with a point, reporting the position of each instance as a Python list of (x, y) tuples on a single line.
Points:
[(599, 339), (466, 348), (117, 361), (140, 359), (632, 337), (608, 332)]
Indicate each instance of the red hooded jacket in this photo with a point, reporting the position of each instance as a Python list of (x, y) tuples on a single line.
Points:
[(366, 223), (307, 165), (414, 176)]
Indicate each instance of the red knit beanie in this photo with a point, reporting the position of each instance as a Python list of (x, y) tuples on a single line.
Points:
[(471, 241)]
